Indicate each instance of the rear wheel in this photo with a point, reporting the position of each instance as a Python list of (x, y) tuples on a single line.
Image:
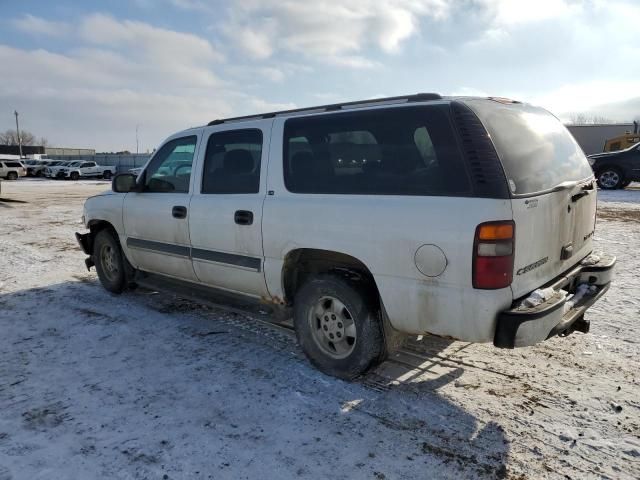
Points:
[(109, 261), (610, 178), (12, 176), (74, 176), (338, 326)]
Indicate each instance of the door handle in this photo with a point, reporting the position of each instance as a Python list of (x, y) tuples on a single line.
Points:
[(179, 212), (243, 217)]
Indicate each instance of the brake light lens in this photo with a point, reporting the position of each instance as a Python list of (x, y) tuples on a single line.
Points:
[(493, 250)]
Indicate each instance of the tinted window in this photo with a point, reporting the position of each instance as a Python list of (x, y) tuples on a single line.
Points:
[(13, 164), (399, 151), (170, 168), (536, 150), (232, 162)]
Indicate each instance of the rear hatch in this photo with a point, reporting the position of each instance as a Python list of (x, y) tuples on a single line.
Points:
[(553, 195)]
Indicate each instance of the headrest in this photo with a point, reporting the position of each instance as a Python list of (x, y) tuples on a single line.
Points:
[(238, 161), (302, 160)]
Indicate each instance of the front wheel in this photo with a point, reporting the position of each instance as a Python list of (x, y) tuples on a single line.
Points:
[(610, 179), (74, 176), (106, 175), (338, 326), (12, 176), (109, 261)]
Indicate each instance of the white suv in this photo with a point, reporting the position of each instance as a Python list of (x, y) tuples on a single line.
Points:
[(470, 218), (11, 169)]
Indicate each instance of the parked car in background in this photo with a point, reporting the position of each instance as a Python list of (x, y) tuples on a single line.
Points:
[(47, 171), (616, 169), (36, 168), (86, 170), (467, 218), (52, 171), (12, 169)]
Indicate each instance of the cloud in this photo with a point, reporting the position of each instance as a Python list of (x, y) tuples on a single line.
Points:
[(330, 31), (613, 99), (117, 75), (40, 26), (509, 12)]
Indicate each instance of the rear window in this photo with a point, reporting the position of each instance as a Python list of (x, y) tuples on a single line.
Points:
[(396, 151), (537, 152)]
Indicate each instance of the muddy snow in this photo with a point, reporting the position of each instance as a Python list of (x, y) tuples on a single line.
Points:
[(147, 385)]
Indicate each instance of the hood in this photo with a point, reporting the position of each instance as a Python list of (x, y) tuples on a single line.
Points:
[(602, 155)]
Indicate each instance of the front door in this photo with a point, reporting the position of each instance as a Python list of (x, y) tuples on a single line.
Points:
[(226, 209), (156, 220)]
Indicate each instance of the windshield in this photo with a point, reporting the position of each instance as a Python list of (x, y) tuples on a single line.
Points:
[(537, 152)]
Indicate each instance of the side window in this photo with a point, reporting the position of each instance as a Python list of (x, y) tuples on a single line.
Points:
[(170, 169), (232, 162), (398, 151)]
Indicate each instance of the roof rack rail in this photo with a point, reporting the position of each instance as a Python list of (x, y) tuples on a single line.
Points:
[(418, 97)]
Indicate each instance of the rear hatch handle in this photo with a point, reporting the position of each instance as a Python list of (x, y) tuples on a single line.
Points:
[(585, 190)]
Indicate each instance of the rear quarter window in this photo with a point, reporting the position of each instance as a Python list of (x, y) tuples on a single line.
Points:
[(536, 150), (395, 151)]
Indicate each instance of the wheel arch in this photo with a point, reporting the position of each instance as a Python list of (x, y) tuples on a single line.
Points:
[(300, 263), (96, 226)]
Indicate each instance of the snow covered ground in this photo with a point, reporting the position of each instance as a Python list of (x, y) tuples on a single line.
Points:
[(145, 385)]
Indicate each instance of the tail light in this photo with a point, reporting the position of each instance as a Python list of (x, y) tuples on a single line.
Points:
[(493, 250)]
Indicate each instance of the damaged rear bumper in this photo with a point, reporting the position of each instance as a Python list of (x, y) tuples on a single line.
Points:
[(523, 326)]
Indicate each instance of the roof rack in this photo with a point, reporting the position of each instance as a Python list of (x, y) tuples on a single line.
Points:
[(418, 97)]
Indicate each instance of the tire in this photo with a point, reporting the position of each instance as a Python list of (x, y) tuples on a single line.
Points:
[(12, 176), (38, 173), (610, 178), (107, 175), (74, 175), (328, 305), (111, 265)]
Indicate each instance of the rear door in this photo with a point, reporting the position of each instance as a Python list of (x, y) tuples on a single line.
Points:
[(552, 188), (226, 208), (156, 220)]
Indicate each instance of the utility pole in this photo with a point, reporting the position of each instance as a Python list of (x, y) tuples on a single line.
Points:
[(15, 112), (137, 144)]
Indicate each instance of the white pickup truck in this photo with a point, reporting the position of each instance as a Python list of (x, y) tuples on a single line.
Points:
[(86, 169)]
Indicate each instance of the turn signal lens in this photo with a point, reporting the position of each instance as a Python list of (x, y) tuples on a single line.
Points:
[(495, 231)]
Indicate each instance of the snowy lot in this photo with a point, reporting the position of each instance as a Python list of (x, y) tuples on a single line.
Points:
[(144, 385)]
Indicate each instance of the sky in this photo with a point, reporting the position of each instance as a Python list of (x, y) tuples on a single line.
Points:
[(87, 74)]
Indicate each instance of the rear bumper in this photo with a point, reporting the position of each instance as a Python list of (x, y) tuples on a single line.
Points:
[(524, 326)]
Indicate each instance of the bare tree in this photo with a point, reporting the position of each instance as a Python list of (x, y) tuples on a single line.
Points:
[(584, 119), (10, 137)]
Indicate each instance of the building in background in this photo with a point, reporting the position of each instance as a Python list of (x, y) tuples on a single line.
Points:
[(27, 151), (69, 152), (592, 138)]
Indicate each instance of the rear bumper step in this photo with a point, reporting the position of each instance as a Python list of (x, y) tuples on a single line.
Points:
[(524, 326)]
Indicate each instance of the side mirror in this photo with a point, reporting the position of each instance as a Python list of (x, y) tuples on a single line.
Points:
[(124, 183)]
